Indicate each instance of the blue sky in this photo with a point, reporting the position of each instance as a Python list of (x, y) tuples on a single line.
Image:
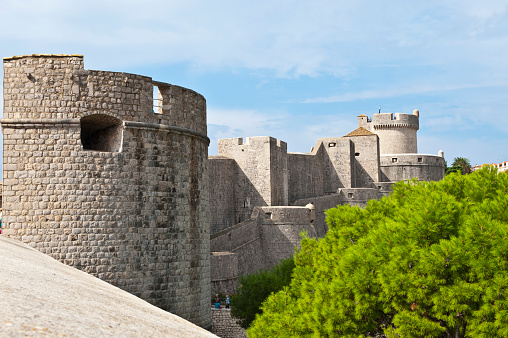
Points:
[(298, 70)]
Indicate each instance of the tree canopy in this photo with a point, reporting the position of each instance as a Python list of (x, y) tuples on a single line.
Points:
[(463, 163), (255, 288), (430, 260)]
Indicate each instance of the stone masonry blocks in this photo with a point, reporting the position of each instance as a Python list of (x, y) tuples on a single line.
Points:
[(135, 216)]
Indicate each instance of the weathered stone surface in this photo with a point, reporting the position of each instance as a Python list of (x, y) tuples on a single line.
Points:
[(225, 326), (259, 191), (94, 178), (43, 297)]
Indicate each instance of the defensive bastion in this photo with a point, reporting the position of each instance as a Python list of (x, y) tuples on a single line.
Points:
[(262, 196), (96, 177)]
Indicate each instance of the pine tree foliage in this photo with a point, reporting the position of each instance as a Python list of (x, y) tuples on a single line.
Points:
[(430, 260), (255, 288)]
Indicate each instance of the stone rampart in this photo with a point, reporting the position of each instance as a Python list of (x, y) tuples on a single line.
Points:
[(400, 167), (280, 229), (224, 274), (305, 175), (94, 178), (222, 172), (366, 160), (397, 132), (271, 234), (242, 239)]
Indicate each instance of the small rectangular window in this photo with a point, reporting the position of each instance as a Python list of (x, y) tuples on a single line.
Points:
[(419, 160), (350, 195), (394, 159), (157, 100), (357, 154), (332, 144)]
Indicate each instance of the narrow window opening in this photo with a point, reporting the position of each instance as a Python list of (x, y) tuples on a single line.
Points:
[(394, 159), (350, 195), (357, 154), (101, 133), (268, 215), (332, 144), (157, 100), (419, 160)]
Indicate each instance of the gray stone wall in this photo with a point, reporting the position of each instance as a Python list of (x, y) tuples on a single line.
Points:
[(222, 172), (253, 180), (279, 187), (305, 175), (225, 326), (242, 239), (224, 274), (366, 163), (280, 230), (134, 214), (261, 242), (400, 167), (397, 133), (338, 160)]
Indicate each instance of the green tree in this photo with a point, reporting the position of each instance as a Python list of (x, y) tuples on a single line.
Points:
[(463, 163), (255, 288), (430, 260)]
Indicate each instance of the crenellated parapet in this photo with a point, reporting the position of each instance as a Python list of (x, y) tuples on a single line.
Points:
[(397, 132), (49, 86), (99, 175)]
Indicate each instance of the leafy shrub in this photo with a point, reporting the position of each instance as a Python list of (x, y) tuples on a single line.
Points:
[(430, 260), (254, 288)]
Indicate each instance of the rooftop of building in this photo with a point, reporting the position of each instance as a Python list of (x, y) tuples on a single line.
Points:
[(361, 131)]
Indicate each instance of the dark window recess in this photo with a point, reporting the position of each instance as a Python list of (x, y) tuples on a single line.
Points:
[(419, 160), (350, 195), (394, 160), (332, 144), (357, 154), (101, 132)]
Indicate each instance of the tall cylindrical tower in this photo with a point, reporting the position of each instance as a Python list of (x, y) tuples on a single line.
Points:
[(100, 178), (397, 134)]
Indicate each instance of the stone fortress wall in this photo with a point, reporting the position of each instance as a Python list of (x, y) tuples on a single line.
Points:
[(397, 134), (97, 179), (254, 226)]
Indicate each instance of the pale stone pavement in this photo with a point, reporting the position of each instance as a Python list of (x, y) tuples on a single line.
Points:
[(40, 296)]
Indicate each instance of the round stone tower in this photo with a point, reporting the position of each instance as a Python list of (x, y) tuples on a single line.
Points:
[(397, 134), (101, 178)]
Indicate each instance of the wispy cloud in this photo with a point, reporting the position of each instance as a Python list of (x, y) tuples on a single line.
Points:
[(290, 38), (397, 92)]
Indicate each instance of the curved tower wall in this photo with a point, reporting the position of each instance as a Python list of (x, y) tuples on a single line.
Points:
[(397, 134), (400, 167), (94, 178)]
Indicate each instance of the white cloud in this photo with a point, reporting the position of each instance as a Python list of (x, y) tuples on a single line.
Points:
[(291, 38), (399, 91), (300, 132)]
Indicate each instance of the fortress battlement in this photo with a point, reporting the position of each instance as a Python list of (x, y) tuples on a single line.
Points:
[(99, 175), (389, 120), (57, 87), (229, 146), (397, 133)]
